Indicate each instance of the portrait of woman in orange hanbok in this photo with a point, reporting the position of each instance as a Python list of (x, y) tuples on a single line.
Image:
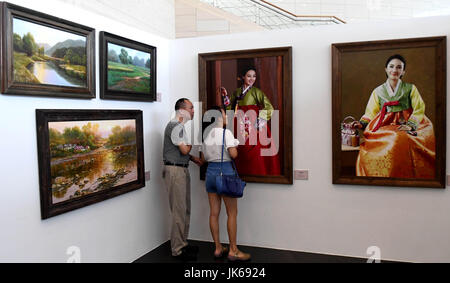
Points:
[(398, 138)]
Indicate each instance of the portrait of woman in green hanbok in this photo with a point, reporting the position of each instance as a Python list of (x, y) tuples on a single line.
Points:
[(254, 87), (253, 111)]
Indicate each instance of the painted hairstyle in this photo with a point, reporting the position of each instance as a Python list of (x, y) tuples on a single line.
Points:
[(396, 56), (399, 57), (244, 70)]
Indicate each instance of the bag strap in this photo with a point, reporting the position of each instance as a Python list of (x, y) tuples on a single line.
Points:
[(224, 128), (221, 160), (223, 145)]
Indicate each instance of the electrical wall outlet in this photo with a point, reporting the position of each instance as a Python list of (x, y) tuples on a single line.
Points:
[(147, 176), (301, 174), (158, 97)]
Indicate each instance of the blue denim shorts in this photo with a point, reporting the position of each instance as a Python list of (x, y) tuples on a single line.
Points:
[(213, 171)]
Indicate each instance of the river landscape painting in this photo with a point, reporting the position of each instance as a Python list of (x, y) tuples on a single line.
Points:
[(43, 55), (89, 157)]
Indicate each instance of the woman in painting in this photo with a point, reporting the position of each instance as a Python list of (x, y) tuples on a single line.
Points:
[(399, 138), (253, 111)]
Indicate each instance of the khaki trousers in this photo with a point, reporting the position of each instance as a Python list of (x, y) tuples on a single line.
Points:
[(178, 184)]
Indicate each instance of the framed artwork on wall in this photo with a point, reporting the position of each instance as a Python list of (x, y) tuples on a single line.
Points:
[(127, 69), (261, 107), (44, 55), (87, 156), (389, 112)]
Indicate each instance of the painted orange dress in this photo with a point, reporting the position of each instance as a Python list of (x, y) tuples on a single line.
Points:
[(389, 152)]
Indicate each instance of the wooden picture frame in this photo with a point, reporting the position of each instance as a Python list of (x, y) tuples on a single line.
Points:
[(43, 55), (274, 78), (126, 76), (378, 156), (87, 156)]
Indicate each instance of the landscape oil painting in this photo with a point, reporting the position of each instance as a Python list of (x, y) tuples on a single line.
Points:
[(91, 156), (127, 69), (44, 55), (83, 157)]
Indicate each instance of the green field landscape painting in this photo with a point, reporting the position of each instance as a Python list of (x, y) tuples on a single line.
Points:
[(128, 69), (45, 55), (91, 156)]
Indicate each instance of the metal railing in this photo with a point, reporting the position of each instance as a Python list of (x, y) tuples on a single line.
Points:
[(269, 15)]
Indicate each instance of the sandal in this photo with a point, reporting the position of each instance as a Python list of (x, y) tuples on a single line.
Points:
[(239, 256), (222, 252)]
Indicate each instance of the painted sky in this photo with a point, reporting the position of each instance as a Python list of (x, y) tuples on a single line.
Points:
[(43, 34), (131, 52), (104, 128)]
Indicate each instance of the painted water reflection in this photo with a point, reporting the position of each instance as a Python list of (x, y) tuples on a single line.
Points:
[(91, 172), (49, 73)]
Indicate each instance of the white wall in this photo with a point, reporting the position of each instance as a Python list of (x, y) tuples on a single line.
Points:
[(116, 230), (408, 224)]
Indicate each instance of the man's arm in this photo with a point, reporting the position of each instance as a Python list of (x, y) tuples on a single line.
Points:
[(196, 160), (184, 149)]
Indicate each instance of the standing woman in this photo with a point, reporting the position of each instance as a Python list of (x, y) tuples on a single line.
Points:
[(211, 152), (252, 128), (399, 138)]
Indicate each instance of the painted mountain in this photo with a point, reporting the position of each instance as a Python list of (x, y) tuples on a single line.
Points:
[(65, 44)]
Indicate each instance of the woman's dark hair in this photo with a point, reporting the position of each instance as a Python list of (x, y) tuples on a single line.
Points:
[(245, 70), (396, 56), (206, 125)]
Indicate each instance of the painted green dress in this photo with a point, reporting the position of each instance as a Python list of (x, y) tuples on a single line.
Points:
[(257, 152)]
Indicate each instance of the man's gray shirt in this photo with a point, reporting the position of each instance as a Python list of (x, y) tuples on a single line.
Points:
[(173, 135)]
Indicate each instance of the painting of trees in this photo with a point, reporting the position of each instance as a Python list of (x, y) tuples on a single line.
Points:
[(124, 58), (122, 136), (29, 45), (25, 44)]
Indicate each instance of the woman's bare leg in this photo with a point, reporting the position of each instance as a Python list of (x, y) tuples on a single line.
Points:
[(214, 212), (231, 206)]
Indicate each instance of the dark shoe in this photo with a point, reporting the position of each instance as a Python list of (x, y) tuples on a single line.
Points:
[(239, 256), (191, 249), (222, 253), (186, 256)]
